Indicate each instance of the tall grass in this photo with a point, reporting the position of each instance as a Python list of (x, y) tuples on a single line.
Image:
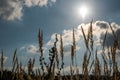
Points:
[(105, 69)]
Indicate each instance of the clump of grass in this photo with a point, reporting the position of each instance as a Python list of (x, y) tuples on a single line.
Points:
[(30, 66)]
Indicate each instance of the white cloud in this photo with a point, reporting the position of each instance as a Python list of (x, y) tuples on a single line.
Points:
[(67, 70), (40, 3), (32, 49), (99, 30), (13, 9), (67, 41), (22, 48), (53, 1), (102, 24)]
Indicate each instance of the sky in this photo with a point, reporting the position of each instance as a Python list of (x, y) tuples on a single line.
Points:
[(20, 21)]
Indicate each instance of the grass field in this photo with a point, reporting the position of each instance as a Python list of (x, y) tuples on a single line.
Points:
[(91, 63)]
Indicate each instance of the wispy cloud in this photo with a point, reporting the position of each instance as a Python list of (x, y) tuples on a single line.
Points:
[(40, 3), (53, 1), (13, 9), (32, 49)]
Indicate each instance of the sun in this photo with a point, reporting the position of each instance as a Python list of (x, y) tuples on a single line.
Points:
[(83, 11)]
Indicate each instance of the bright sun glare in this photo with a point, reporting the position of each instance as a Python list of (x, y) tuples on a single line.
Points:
[(83, 11)]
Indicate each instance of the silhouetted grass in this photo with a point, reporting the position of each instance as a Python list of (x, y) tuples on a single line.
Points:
[(91, 62)]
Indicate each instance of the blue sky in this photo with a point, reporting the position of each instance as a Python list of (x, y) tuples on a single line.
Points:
[(20, 21)]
